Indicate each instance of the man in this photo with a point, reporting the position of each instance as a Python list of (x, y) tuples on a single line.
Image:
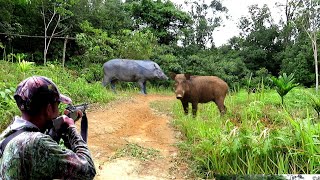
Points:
[(31, 153)]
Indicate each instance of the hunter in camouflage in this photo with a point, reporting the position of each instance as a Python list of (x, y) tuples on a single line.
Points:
[(33, 154)]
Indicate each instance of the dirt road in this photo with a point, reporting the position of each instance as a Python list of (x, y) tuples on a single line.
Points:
[(132, 121)]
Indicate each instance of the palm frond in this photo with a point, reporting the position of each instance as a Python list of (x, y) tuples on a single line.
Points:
[(284, 84)]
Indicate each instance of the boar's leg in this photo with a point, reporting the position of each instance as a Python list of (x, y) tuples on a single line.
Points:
[(105, 81), (194, 108), (185, 107), (220, 103), (113, 85), (143, 87)]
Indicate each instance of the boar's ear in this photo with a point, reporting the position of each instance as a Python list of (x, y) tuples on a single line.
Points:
[(154, 65), (172, 75), (187, 76)]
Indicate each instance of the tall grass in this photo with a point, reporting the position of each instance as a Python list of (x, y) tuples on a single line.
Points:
[(258, 135)]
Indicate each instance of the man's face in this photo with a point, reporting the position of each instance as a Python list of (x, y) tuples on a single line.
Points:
[(52, 114)]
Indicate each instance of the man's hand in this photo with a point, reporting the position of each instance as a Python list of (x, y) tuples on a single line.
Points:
[(62, 122), (67, 121)]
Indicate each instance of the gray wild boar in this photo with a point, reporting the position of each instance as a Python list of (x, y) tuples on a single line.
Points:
[(200, 89), (131, 71)]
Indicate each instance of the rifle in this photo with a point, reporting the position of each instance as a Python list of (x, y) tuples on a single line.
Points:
[(74, 112)]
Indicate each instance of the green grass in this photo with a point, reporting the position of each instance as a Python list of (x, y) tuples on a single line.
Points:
[(137, 151), (257, 135)]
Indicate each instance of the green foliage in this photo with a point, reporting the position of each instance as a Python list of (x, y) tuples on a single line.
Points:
[(100, 47), (136, 151), (97, 43), (168, 63), (298, 59), (315, 102), (136, 45), (92, 73), (284, 84), (68, 83), (6, 102), (248, 83), (23, 66), (254, 137), (257, 81), (111, 16), (19, 56), (205, 18), (260, 40), (160, 17), (63, 6)]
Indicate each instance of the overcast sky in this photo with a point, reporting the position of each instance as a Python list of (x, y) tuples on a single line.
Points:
[(237, 9)]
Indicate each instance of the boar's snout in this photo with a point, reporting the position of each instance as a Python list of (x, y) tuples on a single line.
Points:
[(179, 96), (163, 76)]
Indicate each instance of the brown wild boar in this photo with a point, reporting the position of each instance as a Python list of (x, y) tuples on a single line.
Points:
[(200, 89)]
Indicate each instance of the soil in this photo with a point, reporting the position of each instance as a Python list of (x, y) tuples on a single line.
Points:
[(133, 121)]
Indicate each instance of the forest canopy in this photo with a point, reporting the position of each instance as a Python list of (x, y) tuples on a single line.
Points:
[(180, 41)]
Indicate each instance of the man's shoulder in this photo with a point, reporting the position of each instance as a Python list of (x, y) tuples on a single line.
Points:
[(26, 139), (12, 156), (35, 139)]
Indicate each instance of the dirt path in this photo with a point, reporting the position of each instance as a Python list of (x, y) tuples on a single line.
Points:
[(132, 121)]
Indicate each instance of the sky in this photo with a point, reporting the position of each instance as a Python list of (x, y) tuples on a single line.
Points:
[(237, 9)]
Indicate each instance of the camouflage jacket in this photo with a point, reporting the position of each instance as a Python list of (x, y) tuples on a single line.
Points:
[(34, 155)]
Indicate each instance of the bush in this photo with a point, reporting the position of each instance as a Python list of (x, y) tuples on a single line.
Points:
[(93, 73)]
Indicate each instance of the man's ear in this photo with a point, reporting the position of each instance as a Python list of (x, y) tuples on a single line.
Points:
[(49, 108)]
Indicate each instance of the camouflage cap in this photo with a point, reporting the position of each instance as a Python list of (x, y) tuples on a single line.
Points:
[(31, 86)]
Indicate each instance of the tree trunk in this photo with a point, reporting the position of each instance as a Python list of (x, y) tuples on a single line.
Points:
[(64, 50), (45, 49), (316, 66), (46, 27), (315, 56)]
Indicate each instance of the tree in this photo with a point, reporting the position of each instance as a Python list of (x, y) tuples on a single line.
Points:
[(97, 45), (297, 58), (162, 18), (205, 19), (260, 43), (136, 45), (16, 18), (311, 22), (291, 7), (111, 15), (54, 12)]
